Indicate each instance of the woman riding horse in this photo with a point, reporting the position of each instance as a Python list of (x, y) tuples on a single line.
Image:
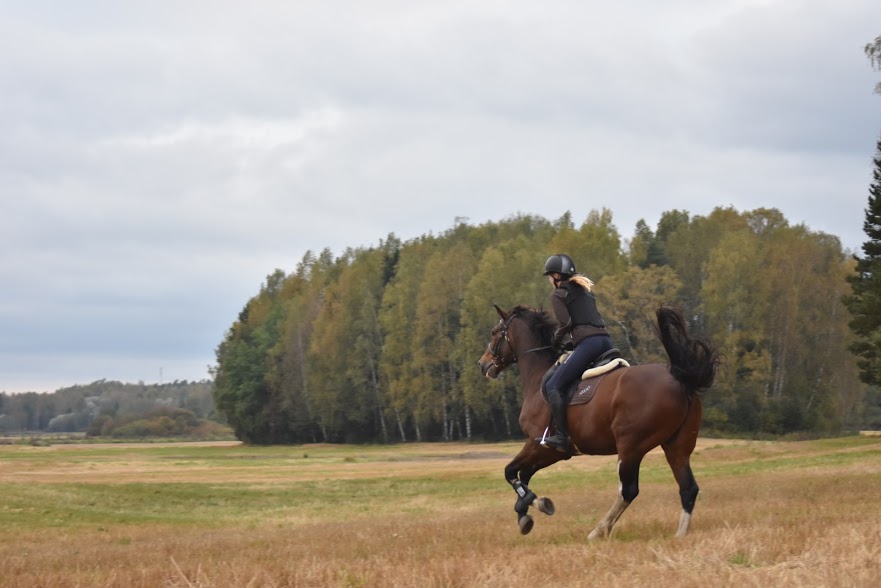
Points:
[(576, 310), (632, 410)]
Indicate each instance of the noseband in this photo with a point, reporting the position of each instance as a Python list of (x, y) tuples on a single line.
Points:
[(495, 350)]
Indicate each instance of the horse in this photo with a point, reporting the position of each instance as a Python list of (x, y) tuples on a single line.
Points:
[(634, 410)]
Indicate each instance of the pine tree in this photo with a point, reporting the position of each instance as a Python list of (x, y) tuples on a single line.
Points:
[(873, 52), (865, 302)]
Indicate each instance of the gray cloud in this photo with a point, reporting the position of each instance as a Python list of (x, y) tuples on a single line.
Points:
[(158, 160)]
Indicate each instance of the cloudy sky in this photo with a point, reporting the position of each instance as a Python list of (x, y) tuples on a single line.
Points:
[(159, 159)]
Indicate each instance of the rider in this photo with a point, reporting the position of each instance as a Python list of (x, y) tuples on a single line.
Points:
[(576, 310)]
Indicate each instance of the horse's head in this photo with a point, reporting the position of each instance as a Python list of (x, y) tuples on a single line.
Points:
[(499, 354), (508, 341)]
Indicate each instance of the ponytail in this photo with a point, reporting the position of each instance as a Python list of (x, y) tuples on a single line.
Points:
[(582, 281)]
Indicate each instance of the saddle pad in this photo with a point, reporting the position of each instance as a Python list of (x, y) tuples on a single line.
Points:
[(600, 369), (587, 387), (586, 390), (605, 368)]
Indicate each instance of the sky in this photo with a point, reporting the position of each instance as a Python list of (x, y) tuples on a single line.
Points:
[(159, 159)]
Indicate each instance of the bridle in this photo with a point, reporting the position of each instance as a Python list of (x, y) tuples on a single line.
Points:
[(496, 350)]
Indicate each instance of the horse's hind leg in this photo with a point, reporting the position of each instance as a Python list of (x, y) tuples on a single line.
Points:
[(628, 473), (678, 451), (688, 490)]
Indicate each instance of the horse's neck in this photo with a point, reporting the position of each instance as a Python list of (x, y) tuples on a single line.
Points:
[(532, 368)]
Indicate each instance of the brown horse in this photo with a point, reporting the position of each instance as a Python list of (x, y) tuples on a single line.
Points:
[(634, 410)]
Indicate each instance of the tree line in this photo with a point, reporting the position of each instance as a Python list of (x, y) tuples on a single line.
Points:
[(107, 408), (380, 344)]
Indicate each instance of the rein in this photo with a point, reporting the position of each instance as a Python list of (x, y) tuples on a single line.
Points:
[(495, 351)]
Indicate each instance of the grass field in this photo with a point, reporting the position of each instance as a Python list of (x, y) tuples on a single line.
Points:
[(439, 515)]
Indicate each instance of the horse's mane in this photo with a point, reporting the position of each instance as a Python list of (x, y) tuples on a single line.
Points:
[(539, 322)]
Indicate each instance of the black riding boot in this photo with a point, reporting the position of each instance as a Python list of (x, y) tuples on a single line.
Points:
[(560, 439)]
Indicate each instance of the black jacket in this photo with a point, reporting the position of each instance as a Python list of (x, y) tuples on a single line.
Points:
[(576, 311)]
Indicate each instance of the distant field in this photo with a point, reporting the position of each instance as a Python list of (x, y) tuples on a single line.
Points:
[(440, 515)]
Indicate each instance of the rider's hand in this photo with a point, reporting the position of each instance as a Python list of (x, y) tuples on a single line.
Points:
[(557, 340)]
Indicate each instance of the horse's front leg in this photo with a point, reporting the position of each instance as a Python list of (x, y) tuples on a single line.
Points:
[(531, 458), (525, 496), (543, 504)]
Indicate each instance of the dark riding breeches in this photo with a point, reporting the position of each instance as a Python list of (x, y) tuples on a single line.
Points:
[(582, 356)]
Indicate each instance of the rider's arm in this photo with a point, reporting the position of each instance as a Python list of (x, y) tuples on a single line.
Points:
[(558, 301)]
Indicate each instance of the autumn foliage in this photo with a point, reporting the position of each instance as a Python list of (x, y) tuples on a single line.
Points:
[(380, 343)]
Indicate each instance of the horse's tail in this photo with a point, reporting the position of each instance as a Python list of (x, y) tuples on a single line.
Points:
[(693, 360)]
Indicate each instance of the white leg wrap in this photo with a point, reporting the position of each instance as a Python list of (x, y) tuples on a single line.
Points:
[(684, 521), (604, 527)]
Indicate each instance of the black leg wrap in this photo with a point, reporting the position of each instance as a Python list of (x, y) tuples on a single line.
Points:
[(629, 475), (526, 497), (688, 497)]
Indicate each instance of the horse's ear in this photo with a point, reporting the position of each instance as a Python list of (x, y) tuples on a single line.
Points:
[(501, 312)]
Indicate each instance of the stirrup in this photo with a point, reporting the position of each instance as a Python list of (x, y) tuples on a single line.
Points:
[(565, 448), (544, 436)]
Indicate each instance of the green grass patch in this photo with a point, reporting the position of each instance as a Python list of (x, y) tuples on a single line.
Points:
[(359, 481)]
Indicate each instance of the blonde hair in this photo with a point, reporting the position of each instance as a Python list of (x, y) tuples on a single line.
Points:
[(582, 281)]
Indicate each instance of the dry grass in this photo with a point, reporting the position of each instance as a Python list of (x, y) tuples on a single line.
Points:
[(769, 514)]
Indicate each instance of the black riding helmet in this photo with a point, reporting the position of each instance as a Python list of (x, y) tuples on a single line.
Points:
[(560, 264)]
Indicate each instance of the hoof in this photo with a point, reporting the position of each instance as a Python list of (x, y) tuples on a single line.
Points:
[(545, 505), (595, 535), (525, 523)]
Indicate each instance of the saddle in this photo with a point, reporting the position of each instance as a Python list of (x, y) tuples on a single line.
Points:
[(582, 390)]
